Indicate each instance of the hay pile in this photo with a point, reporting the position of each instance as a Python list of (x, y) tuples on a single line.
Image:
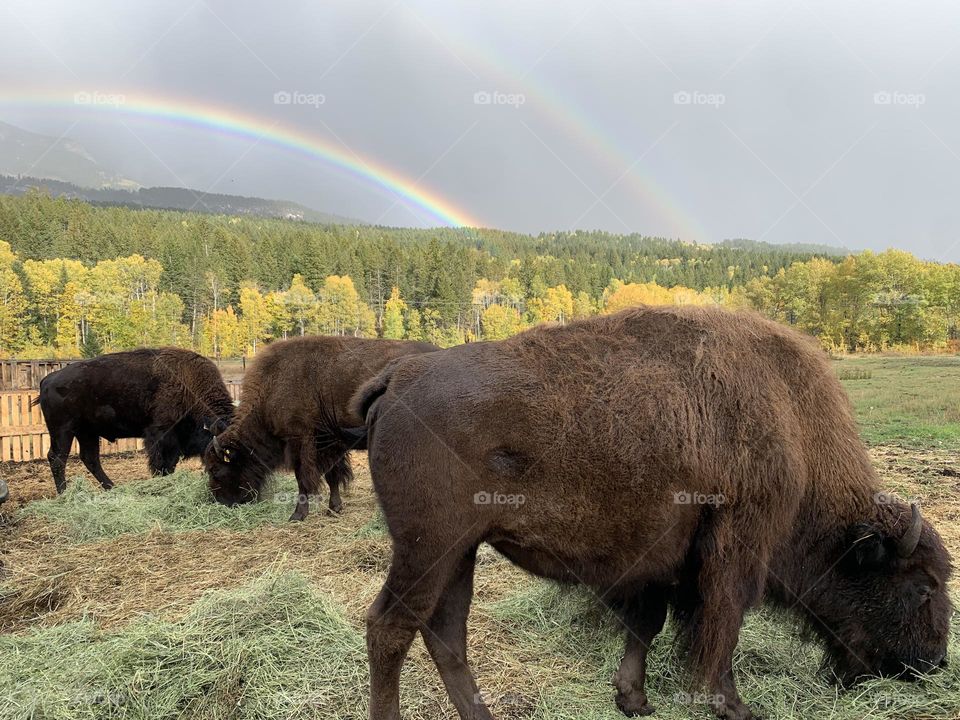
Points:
[(273, 648), (179, 502)]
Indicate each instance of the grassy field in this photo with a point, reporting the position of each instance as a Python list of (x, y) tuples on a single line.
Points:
[(151, 602), (913, 401)]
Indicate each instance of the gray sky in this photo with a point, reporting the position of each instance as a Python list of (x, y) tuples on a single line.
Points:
[(820, 122)]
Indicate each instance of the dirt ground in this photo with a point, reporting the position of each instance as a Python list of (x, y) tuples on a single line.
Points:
[(31, 481)]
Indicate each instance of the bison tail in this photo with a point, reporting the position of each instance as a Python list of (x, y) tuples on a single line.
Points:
[(35, 401), (366, 397), (351, 438)]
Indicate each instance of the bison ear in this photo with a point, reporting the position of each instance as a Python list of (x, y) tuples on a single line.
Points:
[(867, 547)]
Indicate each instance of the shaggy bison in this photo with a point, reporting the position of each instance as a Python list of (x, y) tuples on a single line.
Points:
[(294, 395), (170, 397), (679, 457)]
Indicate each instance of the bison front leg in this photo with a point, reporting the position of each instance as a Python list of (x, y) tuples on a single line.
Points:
[(163, 450), (643, 618), (710, 615)]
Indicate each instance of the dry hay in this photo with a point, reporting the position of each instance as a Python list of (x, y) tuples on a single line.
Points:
[(216, 613)]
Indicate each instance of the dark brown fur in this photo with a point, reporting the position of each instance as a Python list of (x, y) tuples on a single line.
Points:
[(603, 428), (295, 394), (172, 398)]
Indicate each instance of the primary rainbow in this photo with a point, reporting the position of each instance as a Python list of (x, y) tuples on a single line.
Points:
[(234, 122)]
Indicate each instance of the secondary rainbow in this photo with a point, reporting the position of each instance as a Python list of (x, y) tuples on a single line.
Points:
[(233, 122), (566, 113)]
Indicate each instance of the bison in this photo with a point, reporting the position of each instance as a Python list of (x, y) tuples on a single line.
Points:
[(172, 398), (294, 395), (666, 457), (4, 492)]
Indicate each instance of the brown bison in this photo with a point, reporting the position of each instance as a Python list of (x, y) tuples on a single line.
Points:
[(172, 398), (294, 395), (678, 457)]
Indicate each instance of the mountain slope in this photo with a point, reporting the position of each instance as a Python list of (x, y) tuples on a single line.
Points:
[(29, 153), (171, 198)]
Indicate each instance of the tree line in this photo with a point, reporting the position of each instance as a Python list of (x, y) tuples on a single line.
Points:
[(76, 279)]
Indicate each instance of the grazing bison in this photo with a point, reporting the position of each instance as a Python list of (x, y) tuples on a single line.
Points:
[(686, 457), (172, 398), (294, 396)]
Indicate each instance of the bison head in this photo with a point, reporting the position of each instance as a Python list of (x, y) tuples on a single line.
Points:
[(202, 434), (236, 475), (883, 608)]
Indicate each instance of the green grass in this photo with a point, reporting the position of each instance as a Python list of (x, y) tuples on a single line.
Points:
[(912, 401), (179, 502)]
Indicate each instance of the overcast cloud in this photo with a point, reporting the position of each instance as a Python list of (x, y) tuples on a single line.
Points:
[(820, 122)]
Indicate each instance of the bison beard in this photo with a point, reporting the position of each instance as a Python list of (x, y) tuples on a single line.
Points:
[(172, 398), (295, 397), (685, 458)]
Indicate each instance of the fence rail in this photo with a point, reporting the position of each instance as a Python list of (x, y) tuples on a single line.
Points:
[(23, 433), (27, 374)]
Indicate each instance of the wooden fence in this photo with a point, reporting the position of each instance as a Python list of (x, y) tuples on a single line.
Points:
[(23, 433), (27, 374)]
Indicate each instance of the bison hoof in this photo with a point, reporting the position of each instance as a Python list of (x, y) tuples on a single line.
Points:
[(335, 509), (735, 711), (634, 704), (298, 516), (107, 485)]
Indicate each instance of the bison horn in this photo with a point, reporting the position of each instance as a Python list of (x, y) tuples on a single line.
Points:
[(911, 538), (216, 446)]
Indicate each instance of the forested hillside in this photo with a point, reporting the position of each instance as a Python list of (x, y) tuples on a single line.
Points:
[(78, 279)]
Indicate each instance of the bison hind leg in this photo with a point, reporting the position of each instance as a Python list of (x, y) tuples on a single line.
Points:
[(338, 476), (428, 588), (60, 442), (90, 455)]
